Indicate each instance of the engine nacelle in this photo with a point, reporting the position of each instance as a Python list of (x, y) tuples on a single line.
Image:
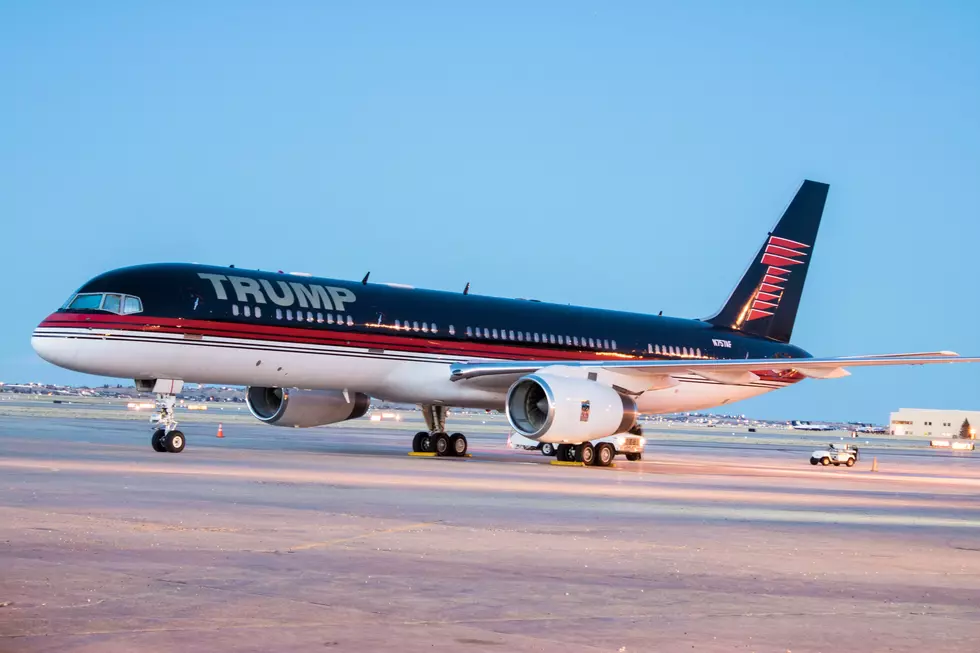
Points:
[(303, 408), (567, 410)]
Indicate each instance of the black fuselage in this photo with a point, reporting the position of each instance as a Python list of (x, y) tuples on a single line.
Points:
[(473, 325)]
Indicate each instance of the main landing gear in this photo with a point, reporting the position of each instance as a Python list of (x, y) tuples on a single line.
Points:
[(436, 440), (166, 437), (600, 455)]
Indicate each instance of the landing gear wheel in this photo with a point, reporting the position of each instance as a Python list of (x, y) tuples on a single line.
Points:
[(633, 457), (458, 445), (585, 453), (566, 453), (548, 449), (439, 443), (604, 454), (421, 438), (156, 440), (174, 441)]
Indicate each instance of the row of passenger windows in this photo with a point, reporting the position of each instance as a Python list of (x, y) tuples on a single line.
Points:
[(297, 316), (424, 327), (431, 327), (543, 338), (671, 350)]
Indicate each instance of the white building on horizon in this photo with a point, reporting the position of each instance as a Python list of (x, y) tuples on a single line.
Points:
[(933, 422)]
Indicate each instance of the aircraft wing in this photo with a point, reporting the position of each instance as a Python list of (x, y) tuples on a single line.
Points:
[(659, 373)]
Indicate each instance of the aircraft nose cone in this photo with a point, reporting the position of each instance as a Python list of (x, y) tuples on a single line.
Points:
[(52, 348)]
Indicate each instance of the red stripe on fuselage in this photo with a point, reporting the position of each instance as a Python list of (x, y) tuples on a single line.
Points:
[(323, 336)]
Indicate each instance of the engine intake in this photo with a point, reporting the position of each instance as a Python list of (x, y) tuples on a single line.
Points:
[(304, 408), (567, 410)]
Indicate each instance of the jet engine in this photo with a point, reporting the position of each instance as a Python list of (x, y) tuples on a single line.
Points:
[(567, 410), (295, 407)]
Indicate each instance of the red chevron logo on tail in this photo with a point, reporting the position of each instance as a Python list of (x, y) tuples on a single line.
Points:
[(779, 255)]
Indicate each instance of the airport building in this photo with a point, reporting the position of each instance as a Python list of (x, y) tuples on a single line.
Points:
[(934, 423)]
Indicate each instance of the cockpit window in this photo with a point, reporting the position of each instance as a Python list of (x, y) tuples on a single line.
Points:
[(109, 302), (132, 305), (112, 303), (86, 301)]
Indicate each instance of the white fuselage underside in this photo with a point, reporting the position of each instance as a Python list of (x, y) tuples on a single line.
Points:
[(408, 377)]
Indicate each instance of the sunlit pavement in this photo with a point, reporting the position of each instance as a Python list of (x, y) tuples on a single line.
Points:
[(279, 539)]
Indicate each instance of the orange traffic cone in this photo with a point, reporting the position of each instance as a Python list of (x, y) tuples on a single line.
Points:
[(220, 432)]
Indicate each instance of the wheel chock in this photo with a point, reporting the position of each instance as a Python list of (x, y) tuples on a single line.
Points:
[(564, 463), (432, 454)]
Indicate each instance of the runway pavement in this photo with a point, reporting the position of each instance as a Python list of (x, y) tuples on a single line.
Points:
[(335, 539)]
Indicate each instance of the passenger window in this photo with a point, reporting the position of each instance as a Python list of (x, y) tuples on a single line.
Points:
[(258, 311), (329, 318), (520, 336), (278, 313), (425, 327), (551, 338), (132, 305), (494, 334), (561, 340), (289, 314), (606, 343), (433, 329), (469, 332), (575, 340), (535, 337), (350, 321), (398, 324), (112, 303), (319, 317), (248, 311), (452, 330), (309, 315), (698, 352), (591, 343), (486, 332), (613, 343), (511, 334), (234, 309)]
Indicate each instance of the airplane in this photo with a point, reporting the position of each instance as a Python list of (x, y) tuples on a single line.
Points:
[(808, 426), (313, 351)]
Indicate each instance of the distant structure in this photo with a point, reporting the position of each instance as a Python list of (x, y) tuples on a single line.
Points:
[(929, 422)]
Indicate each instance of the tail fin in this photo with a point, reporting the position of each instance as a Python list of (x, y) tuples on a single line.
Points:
[(765, 301)]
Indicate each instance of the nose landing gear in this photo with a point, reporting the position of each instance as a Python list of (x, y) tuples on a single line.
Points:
[(166, 437), (436, 440)]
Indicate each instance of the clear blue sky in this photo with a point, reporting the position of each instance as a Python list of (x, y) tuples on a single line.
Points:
[(622, 155)]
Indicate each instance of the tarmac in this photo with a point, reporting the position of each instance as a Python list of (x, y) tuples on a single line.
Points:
[(335, 539)]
